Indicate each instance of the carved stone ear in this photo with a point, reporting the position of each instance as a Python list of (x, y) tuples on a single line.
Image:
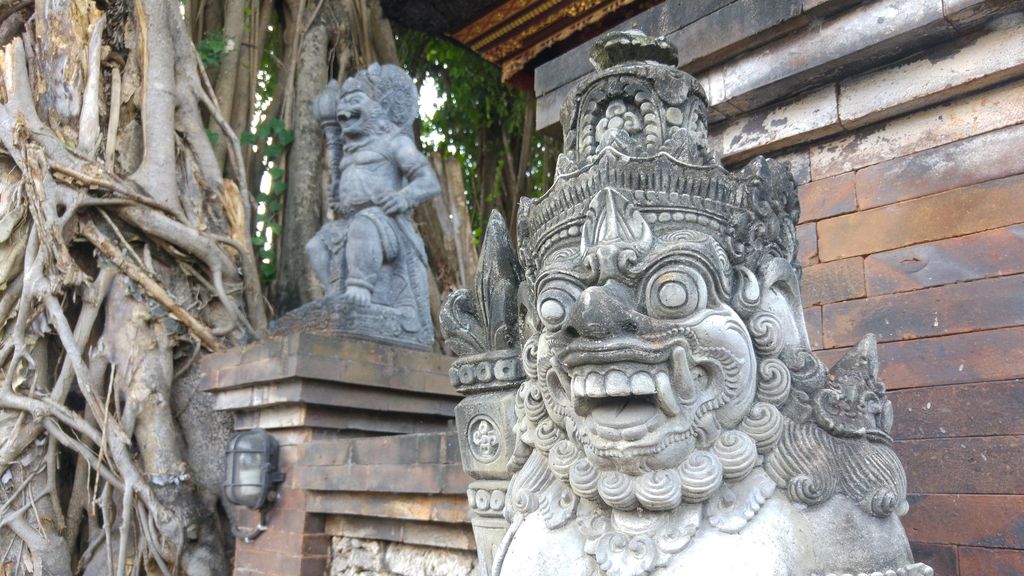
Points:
[(780, 299), (746, 293)]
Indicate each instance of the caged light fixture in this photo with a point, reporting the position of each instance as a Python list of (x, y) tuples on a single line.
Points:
[(251, 475)]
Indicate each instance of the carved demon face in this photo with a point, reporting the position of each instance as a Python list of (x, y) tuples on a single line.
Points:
[(354, 111), (640, 355)]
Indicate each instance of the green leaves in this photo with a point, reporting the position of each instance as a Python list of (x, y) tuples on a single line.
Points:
[(274, 138), (480, 121), (212, 48)]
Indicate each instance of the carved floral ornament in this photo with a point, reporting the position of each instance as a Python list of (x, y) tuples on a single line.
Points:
[(672, 419)]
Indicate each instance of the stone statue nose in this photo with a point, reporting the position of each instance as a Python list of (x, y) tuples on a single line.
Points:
[(602, 312)]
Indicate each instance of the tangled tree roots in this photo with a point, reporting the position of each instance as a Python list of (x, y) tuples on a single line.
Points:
[(123, 253)]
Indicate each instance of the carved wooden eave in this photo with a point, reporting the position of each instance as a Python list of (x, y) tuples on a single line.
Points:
[(517, 31)]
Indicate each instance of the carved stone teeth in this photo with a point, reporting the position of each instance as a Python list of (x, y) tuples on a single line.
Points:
[(608, 432), (579, 388), (666, 395), (682, 378), (595, 385), (641, 384), (616, 384), (634, 433)]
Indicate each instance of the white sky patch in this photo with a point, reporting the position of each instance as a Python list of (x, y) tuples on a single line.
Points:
[(430, 101)]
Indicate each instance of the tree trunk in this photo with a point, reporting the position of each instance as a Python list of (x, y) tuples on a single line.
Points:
[(115, 276), (302, 209)]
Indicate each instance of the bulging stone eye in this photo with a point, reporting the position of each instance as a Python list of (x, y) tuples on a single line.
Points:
[(672, 294), (552, 311), (675, 293), (554, 303)]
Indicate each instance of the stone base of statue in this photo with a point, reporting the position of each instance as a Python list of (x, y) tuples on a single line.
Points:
[(335, 315)]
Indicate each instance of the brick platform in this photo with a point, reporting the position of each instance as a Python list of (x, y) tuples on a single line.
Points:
[(328, 401)]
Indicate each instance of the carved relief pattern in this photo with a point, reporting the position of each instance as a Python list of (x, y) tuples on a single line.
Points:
[(668, 391), (484, 439)]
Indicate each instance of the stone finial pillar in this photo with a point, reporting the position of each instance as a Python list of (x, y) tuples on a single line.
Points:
[(484, 424), (480, 326)]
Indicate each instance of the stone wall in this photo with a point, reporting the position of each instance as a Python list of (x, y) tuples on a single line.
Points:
[(356, 557), (903, 122)]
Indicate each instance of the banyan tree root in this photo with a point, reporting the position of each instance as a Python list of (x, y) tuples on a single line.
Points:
[(122, 258)]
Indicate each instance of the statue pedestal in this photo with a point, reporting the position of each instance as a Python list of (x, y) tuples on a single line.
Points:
[(318, 394)]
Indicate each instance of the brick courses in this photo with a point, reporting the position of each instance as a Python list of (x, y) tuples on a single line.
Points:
[(904, 126), (932, 203)]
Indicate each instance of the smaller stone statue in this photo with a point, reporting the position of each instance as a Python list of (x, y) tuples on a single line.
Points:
[(370, 261)]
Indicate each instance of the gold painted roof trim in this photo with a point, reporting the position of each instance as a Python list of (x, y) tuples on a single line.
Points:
[(517, 31)]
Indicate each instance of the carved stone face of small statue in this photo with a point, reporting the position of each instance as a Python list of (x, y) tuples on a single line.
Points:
[(353, 111)]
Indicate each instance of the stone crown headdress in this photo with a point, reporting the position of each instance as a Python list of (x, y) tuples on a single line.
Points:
[(638, 126)]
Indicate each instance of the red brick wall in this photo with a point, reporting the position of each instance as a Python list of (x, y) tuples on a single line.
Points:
[(914, 230), (295, 543)]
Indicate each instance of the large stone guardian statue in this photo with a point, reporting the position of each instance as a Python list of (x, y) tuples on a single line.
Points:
[(370, 261), (641, 396)]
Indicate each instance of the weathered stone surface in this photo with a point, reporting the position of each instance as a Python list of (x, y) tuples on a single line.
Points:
[(807, 243), (799, 164), (287, 416), (812, 317), (809, 117), (941, 558), (430, 534), (987, 254), (991, 561), (356, 557), (669, 415), (945, 215), (989, 110), (963, 66), (960, 358), (964, 13), (722, 33), (964, 465), (407, 478), (966, 519), (370, 261), (660, 20), (833, 282), (449, 509), (988, 156), (330, 358), (978, 305), (986, 409), (853, 40), (548, 108), (828, 197), (713, 82), (325, 382)]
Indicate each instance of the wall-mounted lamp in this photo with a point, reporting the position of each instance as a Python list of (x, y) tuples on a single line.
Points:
[(251, 474)]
